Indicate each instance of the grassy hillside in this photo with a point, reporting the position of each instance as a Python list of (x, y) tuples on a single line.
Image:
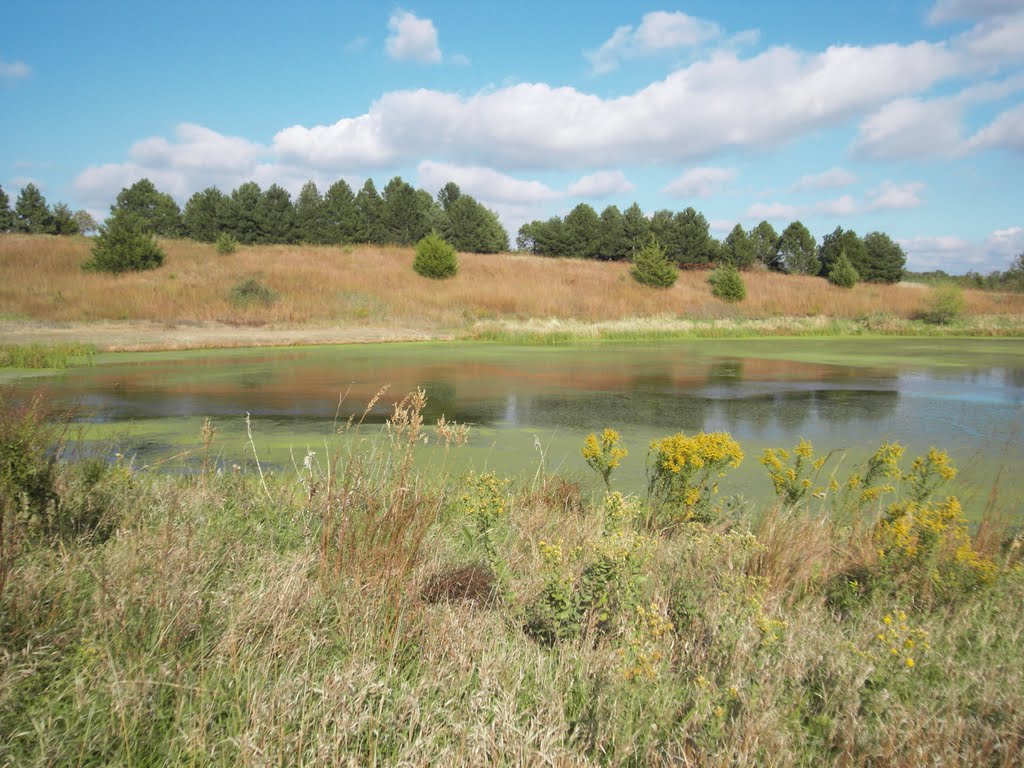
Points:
[(41, 279)]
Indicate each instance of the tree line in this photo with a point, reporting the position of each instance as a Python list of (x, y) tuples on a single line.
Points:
[(32, 215), (685, 236)]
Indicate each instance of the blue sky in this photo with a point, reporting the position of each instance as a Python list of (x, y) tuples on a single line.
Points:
[(905, 116)]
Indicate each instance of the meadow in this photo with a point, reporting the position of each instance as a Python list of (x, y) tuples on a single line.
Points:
[(354, 610), (375, 287)]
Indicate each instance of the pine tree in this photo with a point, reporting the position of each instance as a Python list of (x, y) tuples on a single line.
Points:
[(6, 214), (843, 273), (156, 209), (275, 216), (635, 229), (243, 216), (311, 222), (125, 243), (369, 208), (739, 249), (435, 258), (207, 214), (884, 259), (31, 213), (798, 250), (727, 284), (651, 266), (612, 245), (341, 216)]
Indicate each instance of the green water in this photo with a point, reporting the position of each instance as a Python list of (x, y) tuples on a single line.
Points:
[(847, 394)]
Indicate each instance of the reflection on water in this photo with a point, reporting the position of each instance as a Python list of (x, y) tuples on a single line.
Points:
[(976, 411)]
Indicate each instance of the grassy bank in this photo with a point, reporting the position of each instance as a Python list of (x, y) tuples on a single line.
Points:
[(371, 287), (353, 610)]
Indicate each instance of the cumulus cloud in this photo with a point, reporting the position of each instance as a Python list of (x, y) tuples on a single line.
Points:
[(996, 40), (484, 183), (833, 178), (411, 38), (911, 129), (1005, 132), (772, 211), (600, 185), (944, 11), (721, 103), (889, 196), (700, 182), (658, 31), (14, 70), (957, 255)]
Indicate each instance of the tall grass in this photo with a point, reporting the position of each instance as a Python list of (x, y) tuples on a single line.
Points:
[(40, 278), (323, 616), (46, 355)]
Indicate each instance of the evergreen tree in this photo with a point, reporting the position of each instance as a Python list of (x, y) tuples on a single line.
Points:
[(584, 231), (403, 215), (243, 216), (884, 259), (766, 246), (662, 228), (125, 243), (311, 222), (448, 194), (799, 251), (435, 258), (843, 273), (275, 216), (636, 229), (370, 209), (341, 217), (727, 283), (691, 241), (612, 245), (156, 209), (207, 214), (31, 213), (6, 214), (470, 227), (738, 249), (63, 221), (651, 266), (835, 243)]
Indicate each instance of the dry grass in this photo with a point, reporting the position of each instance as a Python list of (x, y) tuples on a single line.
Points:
[(40, 279)]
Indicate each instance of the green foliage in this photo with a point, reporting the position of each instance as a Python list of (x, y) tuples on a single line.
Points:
[(85, 222), (838, 242), (470, 227), (738, 249), (651, 266), (31, 213), (46, 355), (243, 213), (799, 251), (226, 244), (883, 259), (727, 284), (843, 273), (6, 214), (583, 228), (945, 304), (484, 504), (157, 210), (683, 473), (636, 229), (613, 244), (310, 216), (435, 258), (207, 214), (125, 244), (370, 214), (251, 291), (63, 221), (603, 455), (766, 246), (794, 482), (405, 215), (275, 216), (341, 216)]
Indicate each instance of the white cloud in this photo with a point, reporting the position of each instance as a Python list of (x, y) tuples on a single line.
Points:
[(600, 185), (658, 31), (957, 255), (772, 211), (721, 103), (833, 178), (1005, 132), (412, 39), (952, 10), (890, 196), (911, 128), (700, 182), (995, 40), (484, 183), (841, 206), (14, 70)]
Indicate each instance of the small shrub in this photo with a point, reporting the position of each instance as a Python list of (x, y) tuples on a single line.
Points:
[(727, 284), (435, 258), (251, 291), (651, 266), (226, 244), (124, 244), (843, 273), (945, 304)]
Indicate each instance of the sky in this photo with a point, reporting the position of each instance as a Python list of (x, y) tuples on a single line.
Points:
[(900, 116)]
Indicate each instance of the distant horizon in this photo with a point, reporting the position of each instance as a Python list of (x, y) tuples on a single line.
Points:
[(902, 118)]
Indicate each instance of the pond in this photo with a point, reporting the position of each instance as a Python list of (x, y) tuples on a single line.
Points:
[(842, 394)]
